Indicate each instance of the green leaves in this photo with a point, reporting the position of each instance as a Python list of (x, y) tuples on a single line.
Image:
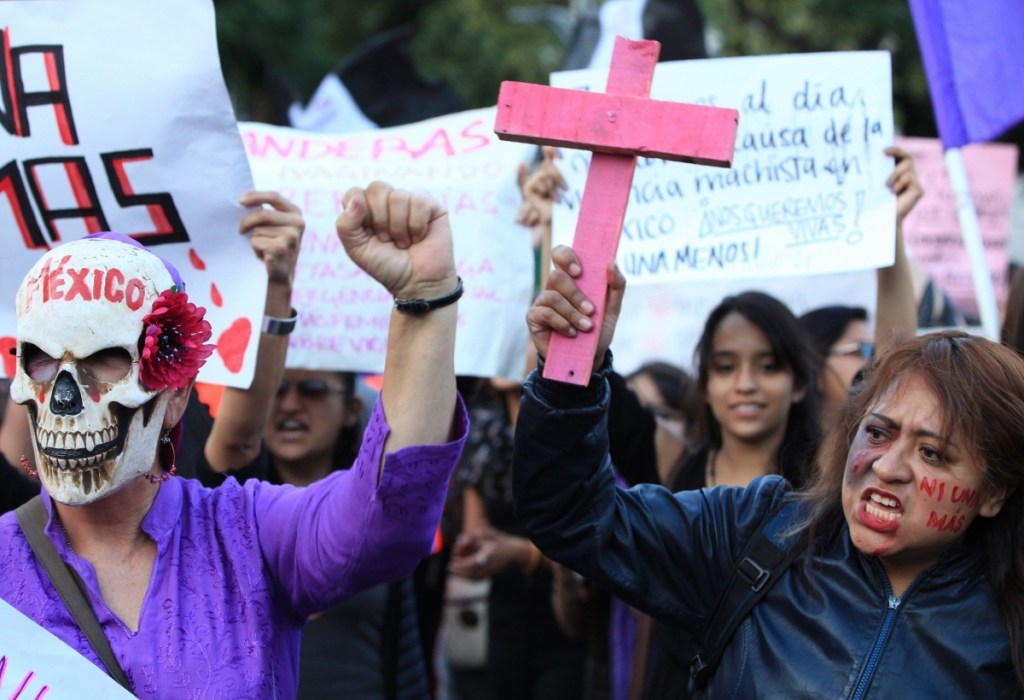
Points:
[(268, 44)]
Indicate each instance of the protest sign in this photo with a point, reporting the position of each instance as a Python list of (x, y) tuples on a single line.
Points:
[(114, 116), (664, 321), (36, 664), (806, 193), (932, 229), (344, 314)]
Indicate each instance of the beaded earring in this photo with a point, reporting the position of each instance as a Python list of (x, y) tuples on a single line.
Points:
[(165, 439)]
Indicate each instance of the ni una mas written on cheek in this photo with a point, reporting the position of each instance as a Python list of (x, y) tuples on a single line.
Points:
[(949, 522)]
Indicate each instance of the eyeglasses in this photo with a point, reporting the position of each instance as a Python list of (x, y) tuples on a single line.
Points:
[(665, 413), (856, 348), (309, 388)]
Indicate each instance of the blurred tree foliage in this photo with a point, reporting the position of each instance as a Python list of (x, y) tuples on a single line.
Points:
[(273, 47), (752, 27), (269, 47)]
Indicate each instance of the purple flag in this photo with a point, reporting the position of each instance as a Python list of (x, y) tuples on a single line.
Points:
[(974, 58)]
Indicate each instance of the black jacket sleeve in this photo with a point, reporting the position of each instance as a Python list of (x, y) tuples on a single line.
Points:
[(665, 554), (631, 434)]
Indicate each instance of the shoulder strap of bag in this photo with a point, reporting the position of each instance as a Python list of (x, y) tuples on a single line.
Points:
[(32, 519), (764, 559)]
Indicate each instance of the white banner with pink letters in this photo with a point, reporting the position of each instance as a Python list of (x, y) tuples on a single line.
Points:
[(343, 313)]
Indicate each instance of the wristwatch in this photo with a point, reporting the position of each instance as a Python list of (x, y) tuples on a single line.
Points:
[(280, 326)]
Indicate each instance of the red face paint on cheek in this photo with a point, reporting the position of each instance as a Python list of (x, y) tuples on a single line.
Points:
[(42, 395), (933, 488), (94, 392), (859, 460), (862, 459), (871, 448), (946, 522)]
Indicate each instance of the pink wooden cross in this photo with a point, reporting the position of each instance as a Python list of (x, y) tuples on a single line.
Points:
[(617, 126)]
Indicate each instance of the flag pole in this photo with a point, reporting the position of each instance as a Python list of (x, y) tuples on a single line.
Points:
[(973, 244)]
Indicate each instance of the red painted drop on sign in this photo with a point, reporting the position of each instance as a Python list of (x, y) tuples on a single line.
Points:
[(197, 262), (232, 344), (7, 347)]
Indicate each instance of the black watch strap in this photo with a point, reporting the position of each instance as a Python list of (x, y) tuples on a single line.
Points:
[(416, 307)]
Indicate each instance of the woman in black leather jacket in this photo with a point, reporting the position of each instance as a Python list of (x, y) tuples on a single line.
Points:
[(912, 581)]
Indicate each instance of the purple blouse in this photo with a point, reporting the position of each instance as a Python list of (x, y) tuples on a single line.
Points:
[(240, 567)]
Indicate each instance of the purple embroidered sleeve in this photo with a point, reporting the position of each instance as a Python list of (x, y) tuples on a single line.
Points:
[(347, 532)]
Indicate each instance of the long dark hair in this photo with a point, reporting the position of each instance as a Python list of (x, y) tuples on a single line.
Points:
[(792, 350), (825, 325), (1013, 325), (980, 386), (673, 383)]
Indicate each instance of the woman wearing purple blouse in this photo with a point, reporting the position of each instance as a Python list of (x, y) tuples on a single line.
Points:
[(200, 592)]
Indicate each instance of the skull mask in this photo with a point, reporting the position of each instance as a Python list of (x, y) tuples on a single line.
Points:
[(80, 323)]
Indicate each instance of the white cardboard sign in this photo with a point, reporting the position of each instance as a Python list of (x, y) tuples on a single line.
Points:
[(114, 116), (805, 195), (36, 664)]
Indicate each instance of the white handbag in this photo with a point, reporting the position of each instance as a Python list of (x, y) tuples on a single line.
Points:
[(465, 621)]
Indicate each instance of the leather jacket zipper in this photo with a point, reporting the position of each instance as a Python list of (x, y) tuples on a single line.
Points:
[(876, 650)]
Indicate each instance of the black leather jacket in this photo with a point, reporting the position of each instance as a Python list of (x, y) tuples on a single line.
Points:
[(829, 628)]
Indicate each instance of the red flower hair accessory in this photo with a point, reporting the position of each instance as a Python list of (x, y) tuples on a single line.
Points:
[(173, 347)]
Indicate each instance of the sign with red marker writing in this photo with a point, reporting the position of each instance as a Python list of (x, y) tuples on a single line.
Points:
[(932, 230), (114, 117), (806, 191), (454, 158), (36, 664)]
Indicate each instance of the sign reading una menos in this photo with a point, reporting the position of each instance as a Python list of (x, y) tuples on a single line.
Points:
[(805, 195), (344, 314)]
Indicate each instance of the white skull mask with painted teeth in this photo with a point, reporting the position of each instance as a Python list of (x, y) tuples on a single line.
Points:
[(80, 320)]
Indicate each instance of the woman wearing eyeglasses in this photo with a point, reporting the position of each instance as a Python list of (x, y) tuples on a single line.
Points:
[(841, 334), (845, 343), (314, 426), (367, 647)]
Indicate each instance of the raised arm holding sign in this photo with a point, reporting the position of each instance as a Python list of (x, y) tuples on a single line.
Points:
[(617, 126)]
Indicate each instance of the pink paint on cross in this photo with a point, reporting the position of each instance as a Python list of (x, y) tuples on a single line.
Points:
[(617, 126)]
